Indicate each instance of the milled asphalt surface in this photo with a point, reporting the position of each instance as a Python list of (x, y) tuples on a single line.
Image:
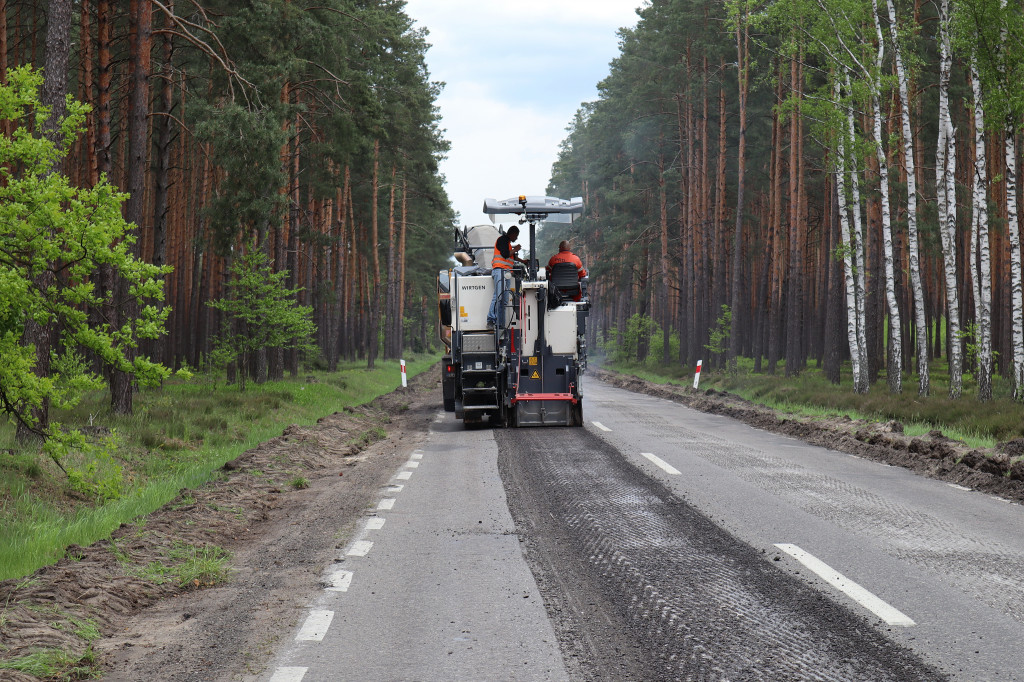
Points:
[(700, 604)]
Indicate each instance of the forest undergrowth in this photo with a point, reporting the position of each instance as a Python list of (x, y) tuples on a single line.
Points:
[(178, 438)]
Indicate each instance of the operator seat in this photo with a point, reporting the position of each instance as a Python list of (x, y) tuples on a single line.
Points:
[(564, 284)]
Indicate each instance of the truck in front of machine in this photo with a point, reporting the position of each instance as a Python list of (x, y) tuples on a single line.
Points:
[(525, 371)]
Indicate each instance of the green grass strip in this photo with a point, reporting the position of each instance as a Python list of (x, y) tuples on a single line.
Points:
[(226, 423), (810, 394)]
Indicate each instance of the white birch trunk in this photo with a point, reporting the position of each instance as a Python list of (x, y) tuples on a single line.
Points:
[(859, 254), (1016, 288), (852, 319), (920, 323), (981, 262), (945, 187), (894, 370)]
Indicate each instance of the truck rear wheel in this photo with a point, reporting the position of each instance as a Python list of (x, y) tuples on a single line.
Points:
[(577, 413)]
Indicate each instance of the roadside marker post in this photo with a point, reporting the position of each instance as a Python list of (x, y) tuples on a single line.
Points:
[(405, 382), (696, 376)]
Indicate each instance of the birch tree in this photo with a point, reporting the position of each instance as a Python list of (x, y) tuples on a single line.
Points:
[(852, 250), (894, 367), (945, 190), (980, 251), (921, 325), (993, 33)]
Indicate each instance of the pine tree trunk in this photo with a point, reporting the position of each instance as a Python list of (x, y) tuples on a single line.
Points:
[(737, 256), (374, 320), (161, 179), (391, 301), (833, 337), (794, 307), (775, 298), (720, 290), (122, 383), (401, 266), (3, 55), (37, 334), (663, 283)]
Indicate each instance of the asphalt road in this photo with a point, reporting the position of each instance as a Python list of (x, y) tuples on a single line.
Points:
[(663, 543)]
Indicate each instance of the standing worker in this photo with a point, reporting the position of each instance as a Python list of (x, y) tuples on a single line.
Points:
[(501, 266)]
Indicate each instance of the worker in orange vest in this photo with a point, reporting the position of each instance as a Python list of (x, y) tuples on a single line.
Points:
[(565, 255), (505, 254)]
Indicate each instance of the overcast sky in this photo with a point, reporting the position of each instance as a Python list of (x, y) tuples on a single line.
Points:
[(515, 73)]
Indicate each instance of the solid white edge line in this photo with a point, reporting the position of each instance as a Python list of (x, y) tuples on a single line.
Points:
[(291, 674), (890, 614), (600, 426), (315, 627), (359, 548), (668, 468), (340, 581), (959, 487), (386, 503)]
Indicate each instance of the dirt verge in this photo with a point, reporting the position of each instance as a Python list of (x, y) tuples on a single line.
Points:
[(280, 511), (999, 471)]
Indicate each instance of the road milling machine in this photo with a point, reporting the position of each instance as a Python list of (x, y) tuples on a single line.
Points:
[(526, 370)]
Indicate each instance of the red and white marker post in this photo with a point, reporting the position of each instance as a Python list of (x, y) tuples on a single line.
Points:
[(405, 382), (696, 376)]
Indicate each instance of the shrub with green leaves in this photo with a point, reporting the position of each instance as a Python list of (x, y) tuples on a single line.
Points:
[(53, 239)]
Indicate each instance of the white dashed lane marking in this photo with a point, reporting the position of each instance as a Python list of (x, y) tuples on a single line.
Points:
[(340, 581), (662, 464), (359, 548), (875, 605), (601, 426), (288, 675), (315, 627)]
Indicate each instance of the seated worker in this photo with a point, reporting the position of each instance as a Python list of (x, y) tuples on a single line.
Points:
[(505, 252), (564, 255)]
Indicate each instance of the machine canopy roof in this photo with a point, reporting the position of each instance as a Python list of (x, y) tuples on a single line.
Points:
[(536, 208)]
